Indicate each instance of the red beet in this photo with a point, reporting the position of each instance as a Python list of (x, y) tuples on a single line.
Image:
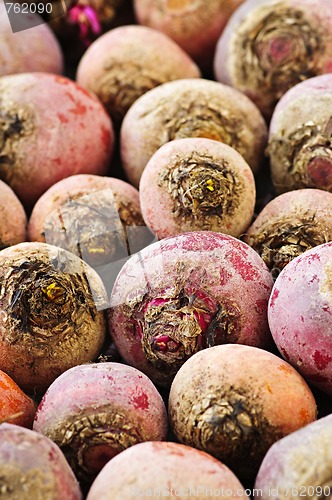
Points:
[(289, 225), (300, 134), (33, 467), (197, 184), (169, 469), (235, 401), (299, 465), (300, 315), (269, 46), (50, 128), (181, 294), (194, 25), (95, 411)]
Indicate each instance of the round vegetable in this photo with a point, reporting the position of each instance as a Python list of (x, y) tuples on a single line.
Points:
[(15, 406), (184, 470), (197, 184), (300, 315), (300, 148), (49, 313), (32, 466), (269, 46), (299, 464), (194, 25), (289, 225), (50, 128), (191, 108), (93, 412), (181, 294), (235, 401), (33, 48), (13, 219), (126, 62)]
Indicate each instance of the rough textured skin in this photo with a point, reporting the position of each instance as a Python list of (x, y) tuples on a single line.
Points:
[(300, 315), (197, 184), (93, 412), (181, 295), (299, 464), (235, 401), (15, 406), (95, 211), (126, 62), (183, 468), (13, 219), (50, 317), (268, 46), (194, 24), (32, 466), (34, 49), (50, 128), (289, 225), (191, 108), (300, 136)]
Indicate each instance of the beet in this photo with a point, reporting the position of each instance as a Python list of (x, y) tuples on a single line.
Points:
[(299, 464), (136, 473), (127, 61), (95, 411), (188, 109), (300, 134), (181, 294), (235, 401), (197, 184), (300, 315), (269, 46), (51, 315), (289, 225), (32, 466), (195, 26), (13, 219), (50, 128)]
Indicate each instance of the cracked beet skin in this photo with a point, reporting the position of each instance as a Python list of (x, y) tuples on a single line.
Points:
[(235, 401), (181, 295)]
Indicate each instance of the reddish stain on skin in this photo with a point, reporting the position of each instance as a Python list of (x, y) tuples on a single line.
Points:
[(243, 267), (261, 306), (80, 109), (141, 402), (105, 137), (63, 118), (320, 171), (321, 360), (224, 276), (274, 296), (284, 353)]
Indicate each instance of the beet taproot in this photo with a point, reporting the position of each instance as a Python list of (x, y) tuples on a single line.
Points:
[(95, 411), (127, 61), (188, 109), (50, 128), (235, 401), (269, 46), (185, 471), (181, 295), (300, 315), (300, 136), (195, 26), (289, 225), (51, 315), (15, 406), (299, 465), (13, 219), (33, 48), (32, 466), (197, 184)]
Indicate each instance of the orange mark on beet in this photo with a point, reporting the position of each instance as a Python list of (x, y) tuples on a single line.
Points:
[(286, 369), (63, 80), (322, 360), (141, 402)]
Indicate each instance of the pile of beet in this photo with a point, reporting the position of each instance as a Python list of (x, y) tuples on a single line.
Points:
[(165, 249)]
